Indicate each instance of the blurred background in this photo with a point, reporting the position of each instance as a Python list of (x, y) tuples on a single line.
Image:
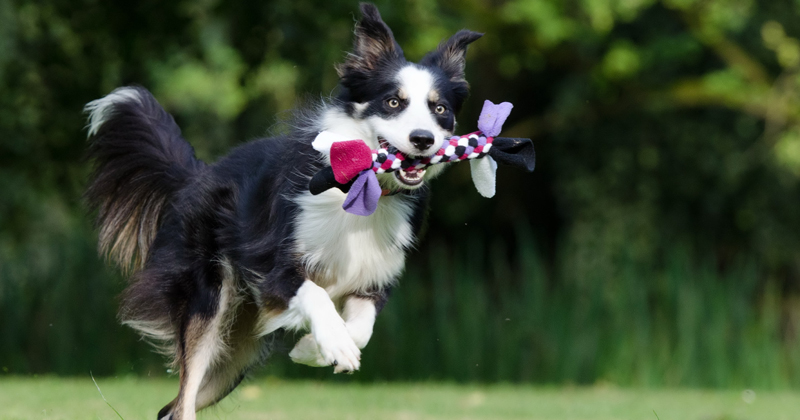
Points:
[(656, 244)]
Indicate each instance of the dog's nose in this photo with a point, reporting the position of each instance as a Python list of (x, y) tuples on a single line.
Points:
[(421, 139)]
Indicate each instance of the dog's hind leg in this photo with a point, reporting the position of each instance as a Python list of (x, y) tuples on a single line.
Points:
[(196, 355), (246, 350), (219, 380), (199, 347), (222, 379), (201, 344)]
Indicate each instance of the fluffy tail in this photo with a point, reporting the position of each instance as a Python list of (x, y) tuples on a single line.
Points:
[(140, 161)]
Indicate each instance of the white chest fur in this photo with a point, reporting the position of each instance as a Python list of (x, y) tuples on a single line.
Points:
[(346, 253)]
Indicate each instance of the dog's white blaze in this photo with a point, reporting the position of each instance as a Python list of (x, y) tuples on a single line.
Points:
[(347, 253), (100, 109), (417, 84)]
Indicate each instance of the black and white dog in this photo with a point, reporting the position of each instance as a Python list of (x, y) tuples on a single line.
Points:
[(225, 255)]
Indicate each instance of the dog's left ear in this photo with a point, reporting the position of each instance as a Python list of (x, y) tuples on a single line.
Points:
[(374, 43), (450, 56)]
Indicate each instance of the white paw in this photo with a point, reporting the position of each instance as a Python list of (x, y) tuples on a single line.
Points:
[(337, 348), (306, 352)]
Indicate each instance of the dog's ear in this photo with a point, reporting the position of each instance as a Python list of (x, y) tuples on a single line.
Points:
[(374, 44), (450, 56)]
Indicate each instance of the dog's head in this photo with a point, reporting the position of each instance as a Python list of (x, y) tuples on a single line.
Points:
[(411, 106)]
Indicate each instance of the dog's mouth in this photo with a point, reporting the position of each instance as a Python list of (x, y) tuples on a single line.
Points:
[(410, 178)]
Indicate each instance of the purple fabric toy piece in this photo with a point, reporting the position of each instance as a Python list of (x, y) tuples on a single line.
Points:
[(363, 197), (492, 117)]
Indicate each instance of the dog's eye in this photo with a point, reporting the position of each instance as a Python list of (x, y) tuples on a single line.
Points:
[(440, 109), (394, 103)]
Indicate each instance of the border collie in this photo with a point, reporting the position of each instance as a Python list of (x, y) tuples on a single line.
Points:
[(225, 255)]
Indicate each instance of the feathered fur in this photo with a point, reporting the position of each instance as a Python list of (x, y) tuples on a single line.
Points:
[(141, 160)]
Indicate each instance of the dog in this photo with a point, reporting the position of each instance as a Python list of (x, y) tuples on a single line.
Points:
[(222, 257)]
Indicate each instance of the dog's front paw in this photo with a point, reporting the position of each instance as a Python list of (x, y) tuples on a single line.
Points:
[(337, 348), (306, 352)]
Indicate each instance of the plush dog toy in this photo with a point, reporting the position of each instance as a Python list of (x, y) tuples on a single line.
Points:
[(354, 166)]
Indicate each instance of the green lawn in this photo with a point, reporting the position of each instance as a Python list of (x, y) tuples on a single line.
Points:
[(77, 398)]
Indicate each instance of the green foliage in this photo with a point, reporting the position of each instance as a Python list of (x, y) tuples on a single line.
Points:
[(655, 244)]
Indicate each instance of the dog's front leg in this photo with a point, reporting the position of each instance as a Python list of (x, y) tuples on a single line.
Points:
[(359, 316), (330, 342)]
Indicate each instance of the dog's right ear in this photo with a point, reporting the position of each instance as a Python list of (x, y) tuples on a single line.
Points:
[(451, 55), (373, 45)]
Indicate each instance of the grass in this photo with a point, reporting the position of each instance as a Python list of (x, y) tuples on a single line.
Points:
[(24, 398)]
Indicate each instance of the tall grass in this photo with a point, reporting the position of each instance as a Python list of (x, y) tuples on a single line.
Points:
[(474, 311), (58, 302), (479, 313)]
